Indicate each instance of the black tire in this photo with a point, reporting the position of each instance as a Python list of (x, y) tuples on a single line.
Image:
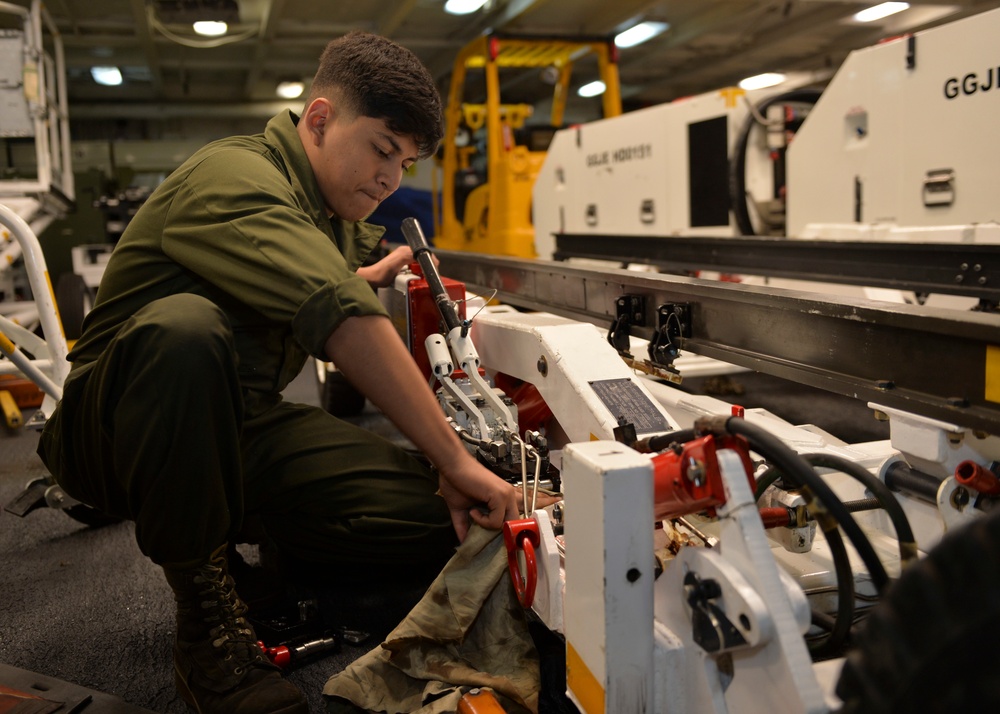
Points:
[(74, 300), (336, 394), (929, 644)]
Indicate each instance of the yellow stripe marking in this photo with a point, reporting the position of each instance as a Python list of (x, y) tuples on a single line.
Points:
[(993, 373), (6, 345), (584, 685), (55, 305)]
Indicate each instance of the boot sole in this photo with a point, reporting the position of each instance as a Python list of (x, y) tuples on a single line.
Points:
[(189, 698)]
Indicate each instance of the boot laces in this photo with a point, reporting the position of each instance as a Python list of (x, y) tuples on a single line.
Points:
[(223, 606)]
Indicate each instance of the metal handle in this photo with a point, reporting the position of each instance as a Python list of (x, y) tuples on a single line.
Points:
[(421, 251), (522, 535)]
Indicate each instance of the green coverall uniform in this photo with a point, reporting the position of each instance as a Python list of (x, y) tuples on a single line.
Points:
[(224, 282)]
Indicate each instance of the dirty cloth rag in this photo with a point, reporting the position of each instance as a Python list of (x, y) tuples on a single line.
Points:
[(467, 631)]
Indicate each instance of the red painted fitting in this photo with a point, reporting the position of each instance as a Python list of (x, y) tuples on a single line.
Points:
[(972, 475), (776, 517)]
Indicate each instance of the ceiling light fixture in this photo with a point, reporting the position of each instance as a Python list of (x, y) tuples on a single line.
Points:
[(760, 81), (290, 89), (108, 76), (187, 39), (637, 34), (463, 7), (210, 28), (877, 12), (592, 89)]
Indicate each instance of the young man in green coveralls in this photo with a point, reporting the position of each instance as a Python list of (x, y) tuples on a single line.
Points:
[(243, 263)]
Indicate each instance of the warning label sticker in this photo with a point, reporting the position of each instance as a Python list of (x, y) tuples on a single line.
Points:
[(630, 405)]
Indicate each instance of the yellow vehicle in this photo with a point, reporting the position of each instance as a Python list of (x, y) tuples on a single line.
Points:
[(492, 152)]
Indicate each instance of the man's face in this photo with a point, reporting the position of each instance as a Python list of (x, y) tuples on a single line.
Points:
[(358, 161)]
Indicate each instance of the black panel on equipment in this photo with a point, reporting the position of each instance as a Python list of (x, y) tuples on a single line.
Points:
[(708, 172)]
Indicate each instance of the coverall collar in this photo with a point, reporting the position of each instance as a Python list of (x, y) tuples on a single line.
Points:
[(355, 239)]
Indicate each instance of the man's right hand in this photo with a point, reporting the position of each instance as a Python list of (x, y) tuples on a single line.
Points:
[(373, 358), (472, 491)]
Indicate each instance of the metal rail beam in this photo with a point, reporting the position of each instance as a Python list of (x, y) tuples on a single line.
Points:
[(940, 363), (971, 269)]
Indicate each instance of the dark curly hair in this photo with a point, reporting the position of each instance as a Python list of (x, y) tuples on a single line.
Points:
[(375, 77)]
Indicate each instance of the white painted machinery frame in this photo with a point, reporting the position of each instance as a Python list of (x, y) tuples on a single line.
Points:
[(898, 148), (628, 634), (36, 91)]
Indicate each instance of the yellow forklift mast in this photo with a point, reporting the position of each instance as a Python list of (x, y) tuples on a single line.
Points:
[(491, 153)]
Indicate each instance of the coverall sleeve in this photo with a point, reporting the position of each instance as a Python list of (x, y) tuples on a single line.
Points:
[(238, 223)]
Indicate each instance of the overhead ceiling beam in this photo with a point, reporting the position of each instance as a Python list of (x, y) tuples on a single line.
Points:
[(144, 35), (498, 19), (174, 110), (717, 62), (270, 12), (389, 26)]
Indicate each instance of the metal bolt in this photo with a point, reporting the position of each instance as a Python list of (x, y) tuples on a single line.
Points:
[(982, 280), (696, 472), (959, 278), (559, 512), (960, 498), (543, 366), (977, 268), (963, 267)]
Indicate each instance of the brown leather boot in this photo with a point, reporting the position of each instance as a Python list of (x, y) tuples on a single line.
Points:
[(218, 666)]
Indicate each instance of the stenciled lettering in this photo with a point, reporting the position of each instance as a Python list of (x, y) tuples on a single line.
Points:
[(620, 155), (597, 159), (630, 153), (970, 83)]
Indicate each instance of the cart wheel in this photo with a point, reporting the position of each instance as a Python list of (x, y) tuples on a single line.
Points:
[(336, 394), (922, 645), (74, 300)]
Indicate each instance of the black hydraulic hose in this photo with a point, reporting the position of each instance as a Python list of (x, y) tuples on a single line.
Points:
[(765, 480), (421, 251), (738, 163), (663, 441), (833, 644), (883, 495), (901, 524), (840, 627), (799, 470)]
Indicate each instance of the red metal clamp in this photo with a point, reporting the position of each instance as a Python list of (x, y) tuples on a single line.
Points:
[(522, 535)]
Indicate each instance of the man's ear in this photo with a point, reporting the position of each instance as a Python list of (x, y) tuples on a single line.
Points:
[(317, 117)]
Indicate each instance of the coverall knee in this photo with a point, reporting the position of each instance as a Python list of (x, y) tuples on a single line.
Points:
[(156, 431)]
